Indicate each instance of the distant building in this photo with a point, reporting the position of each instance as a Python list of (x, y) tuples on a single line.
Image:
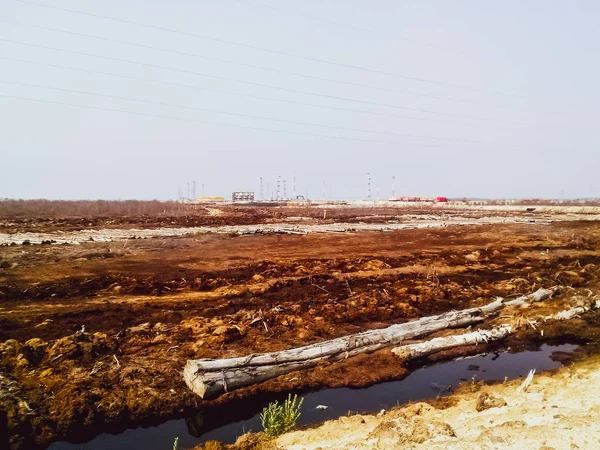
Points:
[(243, 196)]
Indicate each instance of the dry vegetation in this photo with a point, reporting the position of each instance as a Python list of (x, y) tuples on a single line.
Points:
[(11, 209)]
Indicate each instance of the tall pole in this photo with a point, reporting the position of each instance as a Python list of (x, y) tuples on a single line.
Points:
[(368, 185), (261, 189), (294, 188), (278, 187), (188, 190), (323, 189), (194, 190), (284, 189), (393, 186)]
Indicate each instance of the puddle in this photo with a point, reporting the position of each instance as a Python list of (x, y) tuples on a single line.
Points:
[(427, 382)]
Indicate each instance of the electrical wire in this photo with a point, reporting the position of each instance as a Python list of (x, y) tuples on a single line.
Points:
[(254, 47), (253, 66), (250, 116), (186, 119), (221, 91), (110, 58)]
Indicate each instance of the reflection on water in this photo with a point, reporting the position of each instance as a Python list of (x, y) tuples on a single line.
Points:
[(226, 424)]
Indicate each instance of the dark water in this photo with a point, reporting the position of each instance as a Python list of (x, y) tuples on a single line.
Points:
[(427, 382)]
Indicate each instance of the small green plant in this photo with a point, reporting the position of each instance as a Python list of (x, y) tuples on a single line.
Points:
[(176, 444), (278, 419)]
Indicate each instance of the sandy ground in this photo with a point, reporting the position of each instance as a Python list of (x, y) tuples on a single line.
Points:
[(558, 411)]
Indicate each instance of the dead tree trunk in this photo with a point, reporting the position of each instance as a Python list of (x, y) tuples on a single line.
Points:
[(210, 378), (413, 351)]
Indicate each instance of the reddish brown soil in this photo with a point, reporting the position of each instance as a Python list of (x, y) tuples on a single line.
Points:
[(96, 335), (199, 215)]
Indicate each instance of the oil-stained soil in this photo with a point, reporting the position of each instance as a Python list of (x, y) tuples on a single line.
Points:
[(94, 336)]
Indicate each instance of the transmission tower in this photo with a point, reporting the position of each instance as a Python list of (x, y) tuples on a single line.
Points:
[(294, 188), (261, 189), (278, 187)]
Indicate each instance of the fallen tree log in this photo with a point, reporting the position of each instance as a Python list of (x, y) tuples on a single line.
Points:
[(418, 350), (210, 378), (413, 351)]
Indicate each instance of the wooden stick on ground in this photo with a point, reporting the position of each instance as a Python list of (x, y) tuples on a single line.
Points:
[(210, 378)]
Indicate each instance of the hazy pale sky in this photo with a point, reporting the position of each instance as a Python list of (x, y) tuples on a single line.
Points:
[(456, 98)]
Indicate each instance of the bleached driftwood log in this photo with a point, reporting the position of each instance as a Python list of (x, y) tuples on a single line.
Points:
[(210, 378), (413, 351)]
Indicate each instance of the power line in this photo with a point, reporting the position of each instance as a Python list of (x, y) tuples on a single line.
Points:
[(274, 119), (110, 58), (253, 47), (216, 111), (271, 69), (189, 86), (186, 119)]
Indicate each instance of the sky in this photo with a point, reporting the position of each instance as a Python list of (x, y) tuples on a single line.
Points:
[(135, 99)]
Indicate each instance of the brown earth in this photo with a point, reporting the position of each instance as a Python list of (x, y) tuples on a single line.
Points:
[(195, 215), (94, 336)]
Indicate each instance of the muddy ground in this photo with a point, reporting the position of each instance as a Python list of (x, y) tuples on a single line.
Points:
[(94, 337)]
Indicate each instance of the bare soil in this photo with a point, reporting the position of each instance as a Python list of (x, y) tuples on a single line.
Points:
[(94, 337)]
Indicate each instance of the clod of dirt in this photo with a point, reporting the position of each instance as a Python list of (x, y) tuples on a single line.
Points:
[(250, 441), (501, 434), (79, 345), (473, 256), (226, 333), (569, 278), (141, 328), (65, 346), (213, 445), (34, 350), (9, 347), (487, 401), (258, 278), (401, 431), (376, 264), (45, 323)]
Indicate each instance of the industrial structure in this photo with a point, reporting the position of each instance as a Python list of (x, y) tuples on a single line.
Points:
[(242, 196)]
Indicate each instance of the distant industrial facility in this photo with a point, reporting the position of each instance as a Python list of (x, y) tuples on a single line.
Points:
[(242, 196)]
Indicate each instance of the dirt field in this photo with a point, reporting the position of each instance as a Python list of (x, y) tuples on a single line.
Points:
[(94, 336)]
